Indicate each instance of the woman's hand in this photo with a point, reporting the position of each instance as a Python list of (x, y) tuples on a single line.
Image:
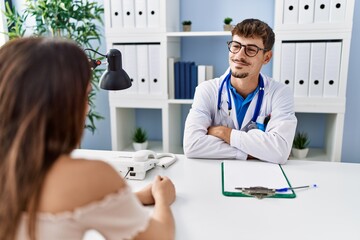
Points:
[(145, 195), (163, 191)]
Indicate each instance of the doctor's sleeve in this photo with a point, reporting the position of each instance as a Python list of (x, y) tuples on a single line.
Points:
[(197, 143), (273, 145)]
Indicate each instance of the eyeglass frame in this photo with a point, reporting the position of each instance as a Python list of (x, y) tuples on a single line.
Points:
[(245, 46)]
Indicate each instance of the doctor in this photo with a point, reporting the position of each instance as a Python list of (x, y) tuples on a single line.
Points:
[(244, 114)]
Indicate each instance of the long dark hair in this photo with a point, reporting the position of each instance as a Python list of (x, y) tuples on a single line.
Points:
[(43, 100)]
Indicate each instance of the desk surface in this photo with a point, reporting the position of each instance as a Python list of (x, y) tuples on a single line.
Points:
[(331, 211)]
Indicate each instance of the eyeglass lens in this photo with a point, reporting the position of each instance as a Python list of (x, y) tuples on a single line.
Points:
[(250, 50)]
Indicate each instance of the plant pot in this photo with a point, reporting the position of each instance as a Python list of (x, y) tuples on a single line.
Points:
[(228, 27), (187, 28), (140, 146), (299, 153)]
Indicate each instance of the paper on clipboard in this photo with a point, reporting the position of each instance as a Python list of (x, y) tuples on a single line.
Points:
[(253, 174)]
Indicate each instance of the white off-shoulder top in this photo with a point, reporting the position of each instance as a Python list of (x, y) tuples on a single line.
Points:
[(117, 216)]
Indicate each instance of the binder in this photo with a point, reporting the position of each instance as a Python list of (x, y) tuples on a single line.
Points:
[(142, 68), (253, 174), (337, 10), (205, 72), (171, 76), (302, 59), (209, 74), (322, 11), (153, 13), (128, 13), (116, 14), (129, 59), (156, 86), (201, 74), (140, 14), (188, 79), (287, 65), (194, 80), (317, 68), (332, 69), (291, 11), (177, 79), (182, 81), (306, 11)]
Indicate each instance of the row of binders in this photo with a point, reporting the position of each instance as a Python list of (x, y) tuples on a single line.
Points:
[(314, 11), (142, 63), (311, 68), (135, 14), (184, 77)]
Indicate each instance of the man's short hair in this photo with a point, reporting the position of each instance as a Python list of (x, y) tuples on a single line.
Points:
[(255, 28)]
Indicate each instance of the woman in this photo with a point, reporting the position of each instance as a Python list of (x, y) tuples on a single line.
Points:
[(44, 192)]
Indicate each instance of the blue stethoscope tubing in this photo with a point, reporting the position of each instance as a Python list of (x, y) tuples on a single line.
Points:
[(259, 100)]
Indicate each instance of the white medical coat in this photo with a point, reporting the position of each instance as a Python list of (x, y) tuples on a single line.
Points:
[(273, 145)]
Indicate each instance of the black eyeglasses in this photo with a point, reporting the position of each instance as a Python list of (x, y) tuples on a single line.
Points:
[(250, 50)]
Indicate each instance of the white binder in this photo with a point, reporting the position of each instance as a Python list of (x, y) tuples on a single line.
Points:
[(153, 13), (128, 13), (332, 69), (287, 65), (201, 73), (337, 10), (322, 11), (209, 72), (291, 11), (156, 86), (306, 11), (317, 68), (140, 14), (302, 59), (129, 65), (116, 14), (143, 68)]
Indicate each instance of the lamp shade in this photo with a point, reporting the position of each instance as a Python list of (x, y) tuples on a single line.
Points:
[(114, 78)]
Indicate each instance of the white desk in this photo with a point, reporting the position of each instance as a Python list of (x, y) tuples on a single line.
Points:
[(331, 211)]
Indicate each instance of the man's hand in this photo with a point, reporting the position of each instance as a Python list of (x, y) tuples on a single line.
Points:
[(220, 132)]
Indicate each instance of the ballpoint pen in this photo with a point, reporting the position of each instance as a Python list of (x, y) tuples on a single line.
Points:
[(274, 189), (292, 188)]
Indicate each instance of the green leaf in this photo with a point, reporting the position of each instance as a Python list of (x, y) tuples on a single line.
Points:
[(79, 20)]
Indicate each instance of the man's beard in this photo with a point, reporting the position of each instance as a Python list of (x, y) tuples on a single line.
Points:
[(239, 75)]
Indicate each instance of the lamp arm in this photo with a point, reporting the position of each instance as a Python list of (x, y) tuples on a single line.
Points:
[(89, 49), (94, 63)]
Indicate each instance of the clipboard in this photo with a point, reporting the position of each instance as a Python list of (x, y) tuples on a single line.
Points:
[(253, 174)]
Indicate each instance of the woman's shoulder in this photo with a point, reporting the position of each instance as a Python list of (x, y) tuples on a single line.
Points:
[(81, 181)]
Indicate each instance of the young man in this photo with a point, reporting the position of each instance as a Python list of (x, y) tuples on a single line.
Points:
[(243, 114)]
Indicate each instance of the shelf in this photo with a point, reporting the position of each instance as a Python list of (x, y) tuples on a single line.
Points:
[(315, 154), (198, 34), (302, 104), (320, 104), (155, 146), (180, 101), (311, 27)]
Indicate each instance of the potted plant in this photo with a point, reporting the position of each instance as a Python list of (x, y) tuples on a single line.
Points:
[(300, 145), (186, 26), (76, 20), (227, 24), (139, 139)]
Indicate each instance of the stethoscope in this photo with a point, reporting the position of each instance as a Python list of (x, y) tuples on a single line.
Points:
[(259, 100)]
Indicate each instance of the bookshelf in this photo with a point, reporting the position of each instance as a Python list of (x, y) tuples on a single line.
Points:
[(316, 24)]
